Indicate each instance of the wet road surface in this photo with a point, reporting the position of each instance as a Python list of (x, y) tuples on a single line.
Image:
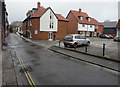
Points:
[(49, 68)]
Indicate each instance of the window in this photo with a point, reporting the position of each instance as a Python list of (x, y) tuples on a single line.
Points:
[(77, 37), (83, 25), (82, 37), (96, 27), (94, 33), (50, 16), (89, 19), (30, 22), (36, 32), (52, 25), (83, 33), (87, 33), (81, 17), (90, 26)]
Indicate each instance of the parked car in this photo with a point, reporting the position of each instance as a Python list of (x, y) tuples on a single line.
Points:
[(117, 38), (104, 36), (75, 40), (110, 36)]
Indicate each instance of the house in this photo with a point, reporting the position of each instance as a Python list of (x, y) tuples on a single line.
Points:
[(81, 23), (109, 27), (43, 24), (118, 28), (3, 22)]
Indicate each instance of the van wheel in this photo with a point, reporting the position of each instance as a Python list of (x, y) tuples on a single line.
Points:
[(75, 45), (88, 43)]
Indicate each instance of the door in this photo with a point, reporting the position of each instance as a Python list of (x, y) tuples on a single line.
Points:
[(90, 34), (50, 36)]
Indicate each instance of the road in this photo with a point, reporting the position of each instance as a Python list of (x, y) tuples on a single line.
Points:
[(48, 68)]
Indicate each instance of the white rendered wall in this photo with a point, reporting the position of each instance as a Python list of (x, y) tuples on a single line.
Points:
[(45, 22), (86, 28), (91, 29), (80, 28)]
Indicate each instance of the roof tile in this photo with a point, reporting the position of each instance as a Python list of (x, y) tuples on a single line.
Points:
[(60, 17), (85, 15)]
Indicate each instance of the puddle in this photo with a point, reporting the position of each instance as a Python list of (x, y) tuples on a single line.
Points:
[(38, 47), (30, 52), (28, 68), (32, 45)]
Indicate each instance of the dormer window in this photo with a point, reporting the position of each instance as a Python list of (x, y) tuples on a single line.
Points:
[(81, 17), (88, 18)]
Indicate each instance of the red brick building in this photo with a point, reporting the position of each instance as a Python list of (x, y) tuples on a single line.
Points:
[(44, 24), (81, 23)]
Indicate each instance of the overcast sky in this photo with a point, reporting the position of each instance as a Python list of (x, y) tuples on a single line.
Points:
[(100, 10)]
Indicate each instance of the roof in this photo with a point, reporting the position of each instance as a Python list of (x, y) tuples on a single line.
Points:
[(85, 16), (60, 17), (109, 23), (118, 24), (29, 11), (39, 12)]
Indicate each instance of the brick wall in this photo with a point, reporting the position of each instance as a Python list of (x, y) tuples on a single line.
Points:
[(72, 24), (24, 28), (0, 23), (100, 29), (62, 30), (41, 35)]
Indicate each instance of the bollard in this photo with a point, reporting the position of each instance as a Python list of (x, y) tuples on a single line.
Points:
[(103, 49), (75, 47), (59, 43), (86, 48)]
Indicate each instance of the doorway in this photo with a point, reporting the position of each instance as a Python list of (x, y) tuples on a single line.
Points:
[(50, 36)]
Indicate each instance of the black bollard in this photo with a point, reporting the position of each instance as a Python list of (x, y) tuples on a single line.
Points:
[(103, 49), (59, 43), (86, 48)]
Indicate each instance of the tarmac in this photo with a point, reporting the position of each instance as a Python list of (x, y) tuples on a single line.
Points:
[(109, 64)]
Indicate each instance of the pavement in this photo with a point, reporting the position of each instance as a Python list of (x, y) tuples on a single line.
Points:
[(50, 68), (10, 75)]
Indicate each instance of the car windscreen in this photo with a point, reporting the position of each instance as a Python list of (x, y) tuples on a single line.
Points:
[(79, 37), (68, 37)]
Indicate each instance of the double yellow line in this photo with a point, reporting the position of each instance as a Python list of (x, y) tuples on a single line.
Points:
[(29, 78)]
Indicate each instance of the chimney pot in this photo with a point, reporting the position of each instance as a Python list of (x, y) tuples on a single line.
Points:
[(38, 5), (80, 10)]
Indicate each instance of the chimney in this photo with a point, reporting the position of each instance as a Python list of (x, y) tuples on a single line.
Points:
[(38, 5), (80, 10)]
